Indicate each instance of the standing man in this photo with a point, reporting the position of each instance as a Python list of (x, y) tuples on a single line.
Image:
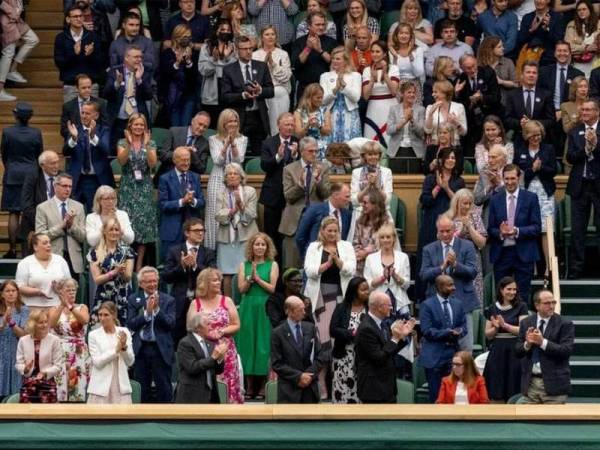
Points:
[(278, 13), (296, 356), (375, 351), (151, 319), (467, 31), (514, 227), (276, 152), (131, 36), (63, 220), (245, 85), (88, 147), (501, 22), (443, 323), (584, 182), (449, 46), (183, 264), (71, 110), (546, 342), (304, 181)]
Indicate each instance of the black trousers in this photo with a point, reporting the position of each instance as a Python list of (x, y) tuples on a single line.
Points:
[(271, 221), (150, 365), (580, 213), (434, 379), (253, 127)]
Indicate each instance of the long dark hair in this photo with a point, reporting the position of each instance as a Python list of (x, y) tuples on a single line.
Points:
[(443, 155), (501, 285), (213, 41), (352, 289)]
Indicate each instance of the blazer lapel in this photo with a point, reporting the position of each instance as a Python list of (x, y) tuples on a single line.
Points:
[(197, 346), (292, 339)]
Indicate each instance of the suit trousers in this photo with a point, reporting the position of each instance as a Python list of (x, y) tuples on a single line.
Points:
[(536, 394), (509, 264), (150, 366), (86, 190), (580, 213), (253, 127), (271, 221), (29, 40), (434, 379)]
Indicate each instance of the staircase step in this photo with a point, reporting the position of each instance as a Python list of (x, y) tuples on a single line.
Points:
[(586, 288), (35, 120), (44, 5), (586, 326), (43, 50), (47, 78), (587, 347), (580, 306), (38, 64), (40, 108), (585, 387), (29, 94), (46, 20), (584, 366), (47, 36)]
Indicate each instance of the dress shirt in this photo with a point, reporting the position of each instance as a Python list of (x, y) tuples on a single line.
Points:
[(77, 37), (441, 49), (283, 140), (187, 175), (93, 142), (59, 206), (332, 210), (189, 250), (376, 319), (243, 66), (525, 92), (292, 326), (537, 367), (126, 74), (442, 300), (204, 347), (47, 180)]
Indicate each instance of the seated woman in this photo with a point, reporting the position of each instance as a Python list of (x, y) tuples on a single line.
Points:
[(291, 284), (412, 14), (344, 323), (236, 215), (105, 206), (356, 16), (13, 318), (339, 157), (446, 140), (312, 118), (111, 267), (464, 386), (112, 354), (224, 323), (69, 322), (39, 360)]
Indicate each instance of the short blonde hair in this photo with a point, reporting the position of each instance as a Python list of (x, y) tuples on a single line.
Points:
[(456, 199), (532, 127), (371, 147), (226, 115), (387, 228), (347, 60), (34, 318), (444, 87), (269, 254), (324, 224), (203, 279)]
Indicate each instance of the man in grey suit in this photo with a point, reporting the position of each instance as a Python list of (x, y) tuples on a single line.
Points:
[(305, 181), (456, 257), (199, 362), (63, 220), (296, 356)]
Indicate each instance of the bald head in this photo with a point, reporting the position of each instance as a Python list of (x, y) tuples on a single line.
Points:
[(49, 161), (380, 304), (294, 308)]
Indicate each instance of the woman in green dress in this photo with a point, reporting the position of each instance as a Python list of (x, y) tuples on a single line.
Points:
[(137, 154), (257, 277)]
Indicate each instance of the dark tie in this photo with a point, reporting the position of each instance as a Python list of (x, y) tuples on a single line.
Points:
[(183, 183), (562, 82), (51, 187), (86, 152), (535, 356), (447, 249), (248, 74), (447, 318), (63, 213), (336, 214), (190, 141), (529, 104), (299, 336), (385, 332), (589, 173), (307, 182), (473, 85), (287, 154)]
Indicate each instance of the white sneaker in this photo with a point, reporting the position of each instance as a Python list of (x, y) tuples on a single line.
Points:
[(6, 97), (16, 77)]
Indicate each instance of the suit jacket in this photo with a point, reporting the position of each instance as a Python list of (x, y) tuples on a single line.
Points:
[(595, 83), (271, 191), (577, 157), (543, 109), (463, 274), (339, 331), (487, 84), (20, 147), (48, 220), (177, 137), (164, 322), (194, 368), (71, 64), (547, 80), (541, 37), (51, 357), (245, 222), (294, 194), (34, 192), (114, 94), (375, 370), (416, 133), (438, 344), (172, 215), (310, 223), (232, 86), (100, 154), (554, 361), (289, 362), (527, 219), (476, 394), (71, 112), (546, 173)]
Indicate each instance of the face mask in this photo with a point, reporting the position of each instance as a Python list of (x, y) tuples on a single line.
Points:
[(184, 42), (225, 37)]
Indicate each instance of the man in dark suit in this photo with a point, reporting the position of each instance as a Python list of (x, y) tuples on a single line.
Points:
[(545, 344), (191, 137), (477, 89), (199, 362), (276, 152), (179, 198), (584, 182), (528, 103), (457, 258), (127, 89), (71, 110), (37, 189), (443, 323), (375, 351), (151, 319), (88, 147), (514, 227), (183, 264), (310, 221), (245, 85), (296, 356)]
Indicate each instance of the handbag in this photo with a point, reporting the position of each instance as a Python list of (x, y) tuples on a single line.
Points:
[(584, 57)]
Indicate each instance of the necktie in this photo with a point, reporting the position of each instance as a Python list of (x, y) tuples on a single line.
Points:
[(63, 213), (209, 382), (473, 85), (86, 152), (336, 214), (447, 317), (562, 82), (190, 141), (51, 187), (129, 93), (385, 331), (511, 210), (148, 327), (529, 104), (535, 357), (287, 154), (447, 249), (588, 172), (298, 335), (248, 74), (183, 183), (308, 180)]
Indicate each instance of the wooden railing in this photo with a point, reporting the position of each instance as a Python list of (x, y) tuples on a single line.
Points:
[(553, 262)]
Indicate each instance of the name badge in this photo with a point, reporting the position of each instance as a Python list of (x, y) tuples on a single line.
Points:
[(132, 101), (137, 175)]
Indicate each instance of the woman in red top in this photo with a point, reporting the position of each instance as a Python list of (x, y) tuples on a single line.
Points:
[(464, 386)]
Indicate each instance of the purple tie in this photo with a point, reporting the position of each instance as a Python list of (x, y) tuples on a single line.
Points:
[(511, 210)]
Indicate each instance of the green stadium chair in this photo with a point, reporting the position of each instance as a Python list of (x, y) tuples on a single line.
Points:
[(209, 166), (271, 393), (468, 168), (420, 383), (478, 331), (253, 167), (235, 292), (489, 290), (8, 268), (387, 20), (116, 167), (384, 161), (398, 212), (12, 399), (82, 290), (209, 132), (136, 392), (406, 391), (159, 136), (223, 392), (514, 399), (299, 18)]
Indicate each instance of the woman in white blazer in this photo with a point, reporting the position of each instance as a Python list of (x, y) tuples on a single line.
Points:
[(342, 87), (105, 206), (389, 269), (444, 110), (111, 350), (329, 265)]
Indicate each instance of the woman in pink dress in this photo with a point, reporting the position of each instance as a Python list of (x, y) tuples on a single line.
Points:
[(224, 324)]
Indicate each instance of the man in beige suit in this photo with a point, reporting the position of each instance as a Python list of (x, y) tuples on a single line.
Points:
[(63, 220), (304, 181)]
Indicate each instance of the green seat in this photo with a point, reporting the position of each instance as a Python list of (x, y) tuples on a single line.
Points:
[(468, 167), (235, 291), (489, 290), (478, 332), (223, 392), (271, 393), (209, 166), (564, 230), (387, 20), (136, 391), (12, 399), (253, 167), (420, 383), (116, 167), (209, 132), (160, 136), (406, 391), (82, 291), (8, 268), (384, 161), (398, 213), (514, 399)]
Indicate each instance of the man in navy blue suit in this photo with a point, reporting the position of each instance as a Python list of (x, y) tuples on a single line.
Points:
[(514, 227), (443, 323), (457, 258), (179, 197), (151, 318), (88, 147), (310, 221)]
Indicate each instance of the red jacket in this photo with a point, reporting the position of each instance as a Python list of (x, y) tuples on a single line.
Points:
[(476, 393)]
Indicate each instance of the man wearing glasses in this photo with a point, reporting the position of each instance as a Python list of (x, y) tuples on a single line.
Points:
[(545, 344), (183, 264)]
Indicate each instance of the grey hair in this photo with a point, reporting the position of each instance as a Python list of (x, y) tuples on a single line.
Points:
[(307, 140), (147, 269), (237, 168), (102, 191), (375, 297), (44, 155), (61, 176), (197, 320)]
